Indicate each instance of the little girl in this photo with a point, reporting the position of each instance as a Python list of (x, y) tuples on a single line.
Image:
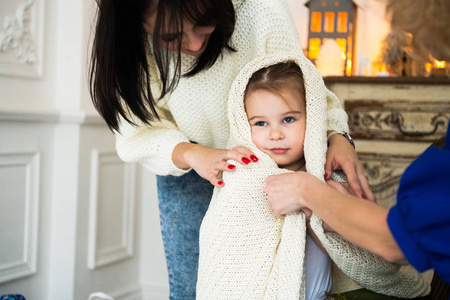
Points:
[(277, 109)]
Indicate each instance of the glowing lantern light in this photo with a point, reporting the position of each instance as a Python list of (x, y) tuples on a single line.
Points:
[(332, 20), (329, 62)]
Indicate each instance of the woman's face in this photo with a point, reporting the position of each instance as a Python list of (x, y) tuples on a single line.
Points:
[(194, 38)]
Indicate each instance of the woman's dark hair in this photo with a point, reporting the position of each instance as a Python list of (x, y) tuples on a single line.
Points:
[(119, 76)]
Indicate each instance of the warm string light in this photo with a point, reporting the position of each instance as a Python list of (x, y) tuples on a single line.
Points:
[(348, 68)]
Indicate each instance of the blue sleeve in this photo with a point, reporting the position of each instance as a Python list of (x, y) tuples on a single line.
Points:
[(420, 221)]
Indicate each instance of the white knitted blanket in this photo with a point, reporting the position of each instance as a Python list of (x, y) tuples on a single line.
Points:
[(246, 252)]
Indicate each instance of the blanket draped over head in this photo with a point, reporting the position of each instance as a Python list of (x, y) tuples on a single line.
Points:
[(246, 252)]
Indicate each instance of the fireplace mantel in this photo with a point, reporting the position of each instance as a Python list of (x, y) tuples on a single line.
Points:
[(392, 120), (386, 80)]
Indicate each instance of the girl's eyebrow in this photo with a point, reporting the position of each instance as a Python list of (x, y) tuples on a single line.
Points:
[(293, 112)]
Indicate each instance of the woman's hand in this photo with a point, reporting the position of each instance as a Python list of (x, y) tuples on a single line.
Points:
[(209, 162), (284, 192), (342, 156)]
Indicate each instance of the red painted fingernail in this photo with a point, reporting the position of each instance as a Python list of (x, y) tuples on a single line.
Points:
[(254, 158), (325, 176), (220, 182), (231, 167), (364, 197), (245, 160)]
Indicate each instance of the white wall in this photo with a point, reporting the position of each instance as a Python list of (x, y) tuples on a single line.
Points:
[(300, 15), (153, 269), (70, 207), (372, 29)]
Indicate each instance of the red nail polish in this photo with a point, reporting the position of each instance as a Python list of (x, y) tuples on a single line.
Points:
[(231, 167), (325, 176), (245, 160), (254, 158), (364, 197), (220, 182)]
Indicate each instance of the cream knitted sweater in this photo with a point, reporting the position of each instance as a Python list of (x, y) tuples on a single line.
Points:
[(197, 109), (246, 252)]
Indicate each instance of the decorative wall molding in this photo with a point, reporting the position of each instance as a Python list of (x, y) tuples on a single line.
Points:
[(114, 253), (383, 171), (27, 264), (398, 119), (21, 39), (18, 38), (77, 117)]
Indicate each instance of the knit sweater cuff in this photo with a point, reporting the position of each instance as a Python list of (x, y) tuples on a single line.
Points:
[(337, 120), (169, 168), (165, 165), (154, 152)]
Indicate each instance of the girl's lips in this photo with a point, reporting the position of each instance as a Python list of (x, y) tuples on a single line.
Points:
[(279, 150)]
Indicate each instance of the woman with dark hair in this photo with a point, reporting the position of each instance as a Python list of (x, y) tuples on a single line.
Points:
[(160, 76)]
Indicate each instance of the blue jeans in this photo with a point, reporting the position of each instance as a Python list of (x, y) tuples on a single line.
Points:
[(183, 202)]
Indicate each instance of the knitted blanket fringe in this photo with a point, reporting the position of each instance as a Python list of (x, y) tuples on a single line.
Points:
[(246, 252)]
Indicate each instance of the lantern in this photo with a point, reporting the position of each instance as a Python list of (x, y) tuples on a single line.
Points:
[(332, 19)]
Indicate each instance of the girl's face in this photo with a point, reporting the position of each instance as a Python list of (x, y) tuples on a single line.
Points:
[(278, 126), (194, 38)]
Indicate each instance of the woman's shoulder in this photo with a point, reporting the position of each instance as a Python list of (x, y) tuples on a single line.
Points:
[(267, 23), (263, 15), (258, 7)]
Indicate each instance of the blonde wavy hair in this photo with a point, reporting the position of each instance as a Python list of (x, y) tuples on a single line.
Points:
[(428, 21)]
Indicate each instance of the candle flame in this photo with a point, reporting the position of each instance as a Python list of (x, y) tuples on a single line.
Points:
[(439, 64)]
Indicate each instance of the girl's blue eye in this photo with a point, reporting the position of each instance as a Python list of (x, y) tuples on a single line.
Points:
[(288, 120), (260, 123)]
